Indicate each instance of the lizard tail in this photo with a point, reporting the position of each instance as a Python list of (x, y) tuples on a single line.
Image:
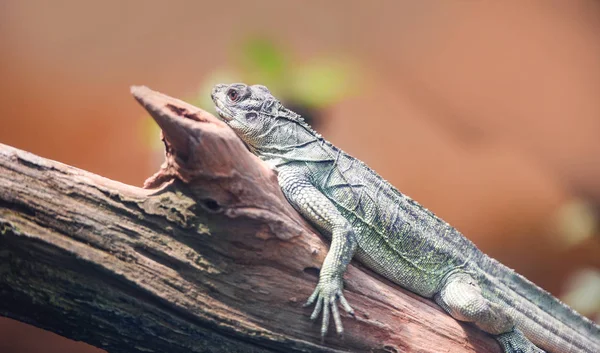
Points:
[(547, 321)]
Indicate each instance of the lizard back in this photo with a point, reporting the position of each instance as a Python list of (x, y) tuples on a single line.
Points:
[(393, 231)]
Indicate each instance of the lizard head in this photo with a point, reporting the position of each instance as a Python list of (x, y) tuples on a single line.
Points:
[(252, 112)]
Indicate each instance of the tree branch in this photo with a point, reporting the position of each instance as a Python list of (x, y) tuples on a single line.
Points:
[(210, 257)]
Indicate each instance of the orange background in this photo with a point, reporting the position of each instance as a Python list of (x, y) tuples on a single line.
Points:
[(488, 113)]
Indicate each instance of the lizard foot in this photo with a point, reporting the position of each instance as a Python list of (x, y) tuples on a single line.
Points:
[(515, 342), (326, 296)]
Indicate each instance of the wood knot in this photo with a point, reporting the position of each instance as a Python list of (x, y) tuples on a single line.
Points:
[(210, 205)]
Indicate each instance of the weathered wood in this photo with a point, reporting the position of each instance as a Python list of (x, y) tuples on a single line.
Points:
[(213, 260)]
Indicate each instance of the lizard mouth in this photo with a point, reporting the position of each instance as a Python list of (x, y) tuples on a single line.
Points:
[(223, 114)]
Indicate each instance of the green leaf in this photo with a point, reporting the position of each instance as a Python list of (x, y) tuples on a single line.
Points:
[(263, 61), (321, 83)]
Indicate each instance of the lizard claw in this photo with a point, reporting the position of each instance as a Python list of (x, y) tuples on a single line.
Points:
[(326, 296)]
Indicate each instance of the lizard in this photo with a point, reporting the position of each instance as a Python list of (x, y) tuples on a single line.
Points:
[(366, 217)]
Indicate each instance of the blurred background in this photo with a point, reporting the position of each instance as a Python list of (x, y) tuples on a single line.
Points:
[(488, 113)]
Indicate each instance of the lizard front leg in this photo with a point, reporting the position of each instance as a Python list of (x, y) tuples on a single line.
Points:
[(320, 211)]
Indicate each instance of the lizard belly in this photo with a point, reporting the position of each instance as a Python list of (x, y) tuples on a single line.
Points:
[(407, 259)]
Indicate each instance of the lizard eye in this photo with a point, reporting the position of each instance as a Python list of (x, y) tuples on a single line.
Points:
[(233, 95)]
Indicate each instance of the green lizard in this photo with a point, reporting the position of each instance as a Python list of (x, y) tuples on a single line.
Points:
[(366, 217)]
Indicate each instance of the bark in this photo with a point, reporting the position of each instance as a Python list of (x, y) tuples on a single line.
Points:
[(208, 258)]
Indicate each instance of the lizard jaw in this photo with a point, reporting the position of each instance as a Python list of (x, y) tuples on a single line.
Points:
[(222, 114)]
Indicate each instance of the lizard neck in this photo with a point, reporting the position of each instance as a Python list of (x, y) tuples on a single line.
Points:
[(293, 142)]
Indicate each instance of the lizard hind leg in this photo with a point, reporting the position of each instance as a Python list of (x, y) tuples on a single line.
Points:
[(461, 297)]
